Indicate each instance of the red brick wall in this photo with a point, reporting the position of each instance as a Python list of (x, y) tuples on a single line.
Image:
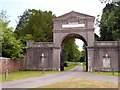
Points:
[(12, 65)]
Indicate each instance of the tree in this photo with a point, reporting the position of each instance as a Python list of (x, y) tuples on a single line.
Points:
[(11, 47), (71, 52), (83, 52), (109, 24), (37, 24), (96, 37)]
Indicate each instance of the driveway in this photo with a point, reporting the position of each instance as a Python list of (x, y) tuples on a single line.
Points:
[(49, 79)]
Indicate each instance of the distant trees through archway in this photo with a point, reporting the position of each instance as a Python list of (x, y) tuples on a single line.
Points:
[(70, 51)]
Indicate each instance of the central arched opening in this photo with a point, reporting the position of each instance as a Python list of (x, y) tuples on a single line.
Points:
[(69, 55)]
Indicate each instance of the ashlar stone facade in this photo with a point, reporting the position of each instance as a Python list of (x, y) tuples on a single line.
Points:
[(75, 25)]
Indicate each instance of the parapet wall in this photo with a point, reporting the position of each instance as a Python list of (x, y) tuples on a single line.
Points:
[(35, 50), (105, 44), (39, 44)]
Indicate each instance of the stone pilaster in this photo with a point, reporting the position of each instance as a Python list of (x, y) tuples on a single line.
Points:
[(90, 58), (56, 58)]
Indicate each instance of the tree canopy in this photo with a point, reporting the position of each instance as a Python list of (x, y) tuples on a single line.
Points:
[(71, 52), (110, 22), (35, 25), (11, 47)]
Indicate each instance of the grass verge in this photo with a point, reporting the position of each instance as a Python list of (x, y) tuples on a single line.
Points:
[(103, 73), (24, 74), (84, 66), (27, 74), (81, 83), (106, 73)]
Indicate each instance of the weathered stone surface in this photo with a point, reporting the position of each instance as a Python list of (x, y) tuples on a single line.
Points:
[(102, 48), (33, 59), (75, 25), (85, 33)]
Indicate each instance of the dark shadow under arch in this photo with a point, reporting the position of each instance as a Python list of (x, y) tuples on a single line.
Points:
[(65, 39)]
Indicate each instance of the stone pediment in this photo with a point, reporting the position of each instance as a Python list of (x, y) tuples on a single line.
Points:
[(74, 16), (73, 20)]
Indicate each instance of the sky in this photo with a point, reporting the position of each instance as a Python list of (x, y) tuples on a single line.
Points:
[(16, 8)]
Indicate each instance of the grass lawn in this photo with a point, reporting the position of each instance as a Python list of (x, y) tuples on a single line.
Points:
[(103, 73), (71, 65), (84, 66), (24, 74), (106, 73), (81, 83)]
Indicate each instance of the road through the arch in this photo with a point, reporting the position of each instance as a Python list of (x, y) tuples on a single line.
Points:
[(53, 78)]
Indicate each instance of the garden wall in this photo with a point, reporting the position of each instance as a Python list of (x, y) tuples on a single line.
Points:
[(10, 64)]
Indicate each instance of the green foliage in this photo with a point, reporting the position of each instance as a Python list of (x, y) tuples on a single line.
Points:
[(96, 37), (35, 25), (84, 66), (83, 53), (110, 22), (71, 52), (11, 47)]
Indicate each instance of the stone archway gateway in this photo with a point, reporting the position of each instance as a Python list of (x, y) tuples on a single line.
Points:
[(102, 55), (77, 25)]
